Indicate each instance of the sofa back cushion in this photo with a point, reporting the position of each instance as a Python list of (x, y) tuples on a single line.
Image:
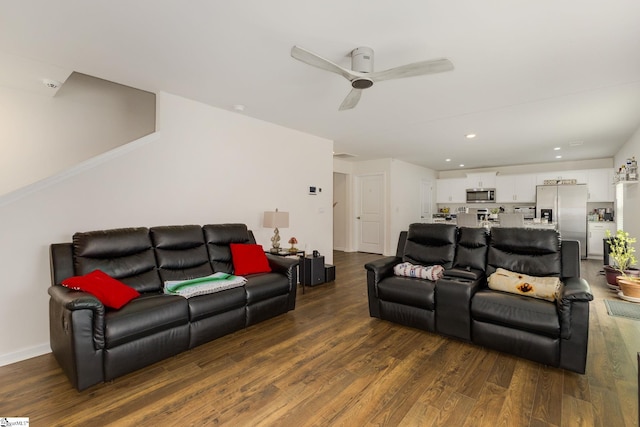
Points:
[(430, 244), (125, 254), (181, 252), (471, 251), (218, 237), (530, 251)]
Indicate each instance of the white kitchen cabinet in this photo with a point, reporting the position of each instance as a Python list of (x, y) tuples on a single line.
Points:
[(519, 188), (597, 232), (451, 190), (600, 183), (481, 180)]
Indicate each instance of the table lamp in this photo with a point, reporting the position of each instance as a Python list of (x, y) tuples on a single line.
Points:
[(275, 219)]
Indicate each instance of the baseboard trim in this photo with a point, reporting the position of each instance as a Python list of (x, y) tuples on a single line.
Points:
[(24, 354)]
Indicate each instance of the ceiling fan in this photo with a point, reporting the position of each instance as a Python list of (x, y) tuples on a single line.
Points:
[(362, 75)]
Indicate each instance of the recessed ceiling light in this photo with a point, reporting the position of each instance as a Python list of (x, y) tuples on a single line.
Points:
[(558, 157), (239, 108), (576, 143), (470, 135), (557, 148), (461, 165), (447, 160)]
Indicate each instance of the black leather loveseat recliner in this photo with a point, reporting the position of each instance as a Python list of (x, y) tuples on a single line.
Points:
[(93, 344), (461, 304)]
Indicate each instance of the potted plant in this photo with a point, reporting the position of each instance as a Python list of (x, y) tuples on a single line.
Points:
[(622, 252)]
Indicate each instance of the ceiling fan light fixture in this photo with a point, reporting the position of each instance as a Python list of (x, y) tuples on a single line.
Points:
[(362, 83)]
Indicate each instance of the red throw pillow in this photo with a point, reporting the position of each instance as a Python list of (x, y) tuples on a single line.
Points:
[(111, 292), (248, 259)]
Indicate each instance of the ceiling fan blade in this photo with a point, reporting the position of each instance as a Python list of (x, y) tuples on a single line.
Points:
[(317, 61), (416, 69), (351, 100)]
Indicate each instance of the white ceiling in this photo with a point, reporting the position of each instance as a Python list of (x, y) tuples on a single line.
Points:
[(529, 76)]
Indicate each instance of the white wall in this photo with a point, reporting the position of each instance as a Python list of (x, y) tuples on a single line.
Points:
[(205, 165), (405, 197), (42, 135), (631, 192)]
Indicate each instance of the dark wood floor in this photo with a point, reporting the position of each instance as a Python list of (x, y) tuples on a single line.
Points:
[(329, 364)]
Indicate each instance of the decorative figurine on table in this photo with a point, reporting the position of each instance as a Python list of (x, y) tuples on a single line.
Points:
[(293, 242)]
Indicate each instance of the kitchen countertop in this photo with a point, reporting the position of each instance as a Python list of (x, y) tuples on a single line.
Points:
[(527, 224)]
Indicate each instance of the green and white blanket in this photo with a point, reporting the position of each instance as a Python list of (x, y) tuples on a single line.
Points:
[(203, 285)]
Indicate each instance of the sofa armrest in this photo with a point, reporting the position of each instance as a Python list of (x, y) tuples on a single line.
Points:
[(76, 335), (573, 311), (71, 300), (382, 268), (279, 264), (453, 304), (576, 289), (377, 271), (465, 273), (289, 268)]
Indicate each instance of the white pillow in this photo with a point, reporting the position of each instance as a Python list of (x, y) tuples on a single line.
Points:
[(407, 269), (546, 288)]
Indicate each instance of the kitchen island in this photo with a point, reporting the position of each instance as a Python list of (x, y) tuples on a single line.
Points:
[(491, 223)]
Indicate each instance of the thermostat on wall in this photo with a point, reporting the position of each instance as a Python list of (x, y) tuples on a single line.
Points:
[(312, 191)]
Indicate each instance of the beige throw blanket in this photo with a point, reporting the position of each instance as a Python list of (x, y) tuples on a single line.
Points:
[(546, 288)]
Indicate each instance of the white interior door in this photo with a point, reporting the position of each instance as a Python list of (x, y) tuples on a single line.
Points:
[(371, 214), (426, 210)]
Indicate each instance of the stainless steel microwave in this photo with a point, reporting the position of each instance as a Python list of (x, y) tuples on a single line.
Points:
[(481, 195)]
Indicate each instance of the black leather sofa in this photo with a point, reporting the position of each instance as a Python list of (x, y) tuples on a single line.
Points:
[(461, 304), (93, 344)]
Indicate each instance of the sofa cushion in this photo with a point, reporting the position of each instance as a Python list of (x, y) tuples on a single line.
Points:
[(145, 316), (181, 252), (529, 251), (471, 251), (218, 237), (204, 306), (260, 287), (515, 311), (248, 259), (111, 292), (408, 291), (430, 244), (545, 288), (125, 254)]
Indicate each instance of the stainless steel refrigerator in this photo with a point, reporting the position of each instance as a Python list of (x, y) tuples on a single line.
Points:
[(565, 205)]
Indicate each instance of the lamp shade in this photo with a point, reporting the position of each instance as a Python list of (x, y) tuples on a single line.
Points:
[(276, 219)]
